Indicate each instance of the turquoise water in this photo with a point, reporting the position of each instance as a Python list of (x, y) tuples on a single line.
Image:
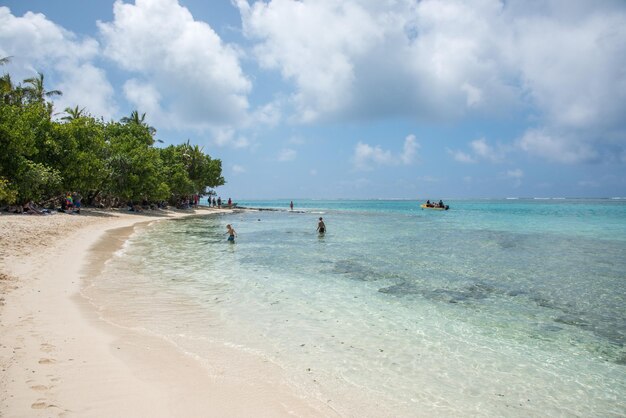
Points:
[(493, 308)]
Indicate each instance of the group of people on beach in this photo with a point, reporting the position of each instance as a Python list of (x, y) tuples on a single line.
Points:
[(218, 203), (71, 203)]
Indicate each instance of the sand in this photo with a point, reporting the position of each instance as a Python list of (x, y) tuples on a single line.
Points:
[(58, 358)]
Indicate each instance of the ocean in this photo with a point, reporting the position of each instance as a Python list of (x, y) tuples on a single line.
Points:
[(512, 307)]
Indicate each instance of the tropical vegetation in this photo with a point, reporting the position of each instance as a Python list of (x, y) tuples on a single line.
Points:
[(113, 163)]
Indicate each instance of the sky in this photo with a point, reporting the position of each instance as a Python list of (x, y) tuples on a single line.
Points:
[(372, 99)]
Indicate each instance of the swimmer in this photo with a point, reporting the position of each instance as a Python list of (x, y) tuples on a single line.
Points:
[(231, 233), (321, 227)]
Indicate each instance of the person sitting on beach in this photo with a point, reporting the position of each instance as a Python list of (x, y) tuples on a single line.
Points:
[(321, 226), (77, 201), (69, 202), (231, 233), (30, 208)]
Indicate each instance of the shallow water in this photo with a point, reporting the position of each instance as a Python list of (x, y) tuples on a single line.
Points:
[(504, 307)]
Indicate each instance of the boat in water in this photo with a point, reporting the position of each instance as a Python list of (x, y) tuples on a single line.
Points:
[(434, 207)]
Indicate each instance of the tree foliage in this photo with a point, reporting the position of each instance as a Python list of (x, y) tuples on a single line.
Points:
[(42, 158)]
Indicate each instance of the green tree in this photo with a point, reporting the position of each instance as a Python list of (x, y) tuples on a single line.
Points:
[(36, 181), (188, 170), (19, 128), (40, 157), (73, 113), (78, 152), (9, 93), (134, 167), (35, 89), (7, 193), (136, 119), (175, 172)]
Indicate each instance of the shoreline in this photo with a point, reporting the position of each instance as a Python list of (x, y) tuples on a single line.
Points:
[(58, 357)]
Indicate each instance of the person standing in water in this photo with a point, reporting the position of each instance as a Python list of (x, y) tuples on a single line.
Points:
[(291, 205), (321, 226), (231, 233)]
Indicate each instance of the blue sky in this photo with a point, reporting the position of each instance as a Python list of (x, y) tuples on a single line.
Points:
[(352, 98)]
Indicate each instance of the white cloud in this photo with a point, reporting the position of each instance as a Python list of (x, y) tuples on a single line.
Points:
[(66, 60), (145, 97), (480, 151), (313, 172), (227, 136), (562, 62), (198, 77), (319, 61), (238, 169), (558, 64), (269, 114), (572, 68), (409, 150), (287, 154), (83, 78), (461, 156), (367, 156), (474, 94), (484, 151), (556, 148), (373, 58)]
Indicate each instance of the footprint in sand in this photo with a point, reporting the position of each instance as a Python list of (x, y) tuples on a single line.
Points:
[(42, 405), (47, 361), (39, 388), (39, 405), (45, 347)]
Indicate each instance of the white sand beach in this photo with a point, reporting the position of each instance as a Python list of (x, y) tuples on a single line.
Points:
[(58, 358)]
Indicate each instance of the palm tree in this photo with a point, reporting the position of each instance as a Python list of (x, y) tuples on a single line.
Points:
[(134, 118), (139, 120), (36, 91), (6, 85), (6, 88), (73, 114)]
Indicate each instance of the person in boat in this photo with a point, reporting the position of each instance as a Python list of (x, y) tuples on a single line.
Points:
[(441, 204), (428, 204)]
